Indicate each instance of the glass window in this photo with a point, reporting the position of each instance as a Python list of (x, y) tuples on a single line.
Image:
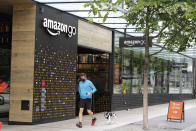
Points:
[(168, 72)]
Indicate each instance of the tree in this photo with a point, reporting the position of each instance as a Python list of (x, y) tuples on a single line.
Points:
[(170, 22)]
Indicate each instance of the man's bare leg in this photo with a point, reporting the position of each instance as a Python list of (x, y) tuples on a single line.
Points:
[(81, 114), (80, 118), (92, 116), (90, 113)]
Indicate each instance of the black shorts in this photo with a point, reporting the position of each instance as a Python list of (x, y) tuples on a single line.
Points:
[(85, 103)]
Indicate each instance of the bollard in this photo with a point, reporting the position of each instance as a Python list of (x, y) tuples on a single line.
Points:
[(0, 125)]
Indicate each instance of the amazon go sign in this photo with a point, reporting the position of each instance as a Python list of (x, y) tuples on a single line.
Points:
[(55, 28)]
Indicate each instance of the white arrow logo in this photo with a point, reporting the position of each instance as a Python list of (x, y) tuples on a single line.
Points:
[(52, 33)]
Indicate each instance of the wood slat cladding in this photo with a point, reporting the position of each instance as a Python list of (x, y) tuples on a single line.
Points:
[(92, 36), (22, 62)]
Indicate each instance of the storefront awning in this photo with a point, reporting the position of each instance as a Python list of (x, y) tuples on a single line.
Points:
[(76, 7)]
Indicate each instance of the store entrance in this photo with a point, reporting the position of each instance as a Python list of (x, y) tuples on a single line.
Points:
[(5, 61), (96, 65)]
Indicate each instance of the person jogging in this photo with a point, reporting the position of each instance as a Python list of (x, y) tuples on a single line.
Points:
[(86, 89)]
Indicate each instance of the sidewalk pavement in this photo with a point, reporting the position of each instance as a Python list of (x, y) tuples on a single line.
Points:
[(124, 118), (191, 128), (160, 123)]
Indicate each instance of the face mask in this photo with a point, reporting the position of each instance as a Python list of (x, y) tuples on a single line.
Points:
[(83, 80)]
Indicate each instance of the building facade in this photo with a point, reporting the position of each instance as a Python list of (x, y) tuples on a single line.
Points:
[(43, 50), (171, 76)]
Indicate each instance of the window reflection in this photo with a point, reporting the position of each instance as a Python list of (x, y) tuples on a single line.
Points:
[(169, 73)]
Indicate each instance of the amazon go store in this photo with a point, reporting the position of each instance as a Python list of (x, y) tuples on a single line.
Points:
[(42, 52)]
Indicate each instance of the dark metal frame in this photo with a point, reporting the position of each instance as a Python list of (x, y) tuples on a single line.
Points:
[(194, 77), (111, 70)]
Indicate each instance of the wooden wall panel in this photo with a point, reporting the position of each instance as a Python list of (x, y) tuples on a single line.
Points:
[(22, 61), (90, 35)]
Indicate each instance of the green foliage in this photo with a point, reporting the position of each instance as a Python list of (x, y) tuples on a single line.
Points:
[(170, 21)]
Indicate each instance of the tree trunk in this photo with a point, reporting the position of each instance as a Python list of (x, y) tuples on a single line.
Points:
[(146, 72), (145, 90)]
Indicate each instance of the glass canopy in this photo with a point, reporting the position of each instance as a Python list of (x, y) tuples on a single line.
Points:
[(76, 7)]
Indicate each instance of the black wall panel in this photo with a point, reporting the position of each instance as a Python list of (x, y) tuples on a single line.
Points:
[(129, 101), (55, 68)]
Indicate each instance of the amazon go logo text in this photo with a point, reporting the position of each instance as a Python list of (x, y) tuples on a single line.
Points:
[(55, 28)]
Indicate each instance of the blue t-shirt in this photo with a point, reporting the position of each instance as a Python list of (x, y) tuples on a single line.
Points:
[(84, 87)]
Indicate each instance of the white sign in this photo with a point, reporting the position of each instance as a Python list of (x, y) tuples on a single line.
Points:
[(131, 43), (55, 28)]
